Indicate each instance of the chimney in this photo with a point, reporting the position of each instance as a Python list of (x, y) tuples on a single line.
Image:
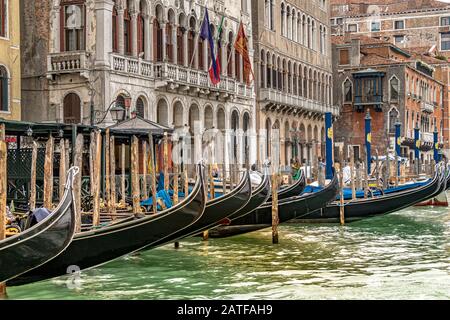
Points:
[(355, 52)]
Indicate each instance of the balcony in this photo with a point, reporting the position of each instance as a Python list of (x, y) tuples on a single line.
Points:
[(132, 66), (67, 62), (427, 107), (291, 101), (176, 76)]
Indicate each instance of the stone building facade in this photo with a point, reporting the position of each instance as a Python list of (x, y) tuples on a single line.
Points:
[(10, 101), (293, 75), (145, 55), (391, 84), (419, 25)]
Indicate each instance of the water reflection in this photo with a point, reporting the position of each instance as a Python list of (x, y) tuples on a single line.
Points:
[(400, 256)]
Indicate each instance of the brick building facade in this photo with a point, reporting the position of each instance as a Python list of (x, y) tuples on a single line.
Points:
[(391, 83)]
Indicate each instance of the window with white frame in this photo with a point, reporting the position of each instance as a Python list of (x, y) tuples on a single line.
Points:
[(353, 27), (399, 25), (4, 90), (3, 18), (375, 26), (445, 41), (394, 89)]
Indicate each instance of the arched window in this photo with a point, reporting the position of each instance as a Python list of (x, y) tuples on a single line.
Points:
[(180, 36), (4, 99), (127, 31), (201, 60), (269, 72), (394, 89), (3, 18), (140, 107), (140, 29), (72, 26), (162, 112), (393, 115), (237, 62), (348, 91), (229, 53), (169, 37), (283, 20), (158, 36), (191, 39), (72, 108), (115, 28)]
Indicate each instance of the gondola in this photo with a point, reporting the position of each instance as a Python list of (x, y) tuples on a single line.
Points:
[(43, 241), (288, 209), (259, 196), (217, 210), (365, 208), (293, 190), (96, 247)]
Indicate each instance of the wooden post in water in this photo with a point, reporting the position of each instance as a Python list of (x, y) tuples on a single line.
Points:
[(385, 172), (33, 177), (341, 187), (151, 148), (107, 171), (166, 162), (397, 169), (48, 175), (366, 176), (224, 168), (3, 191), (275, 169), (123, 189), (377, 163), (352, 171), (144, 170), (97, 181), (112, 163), (91, 159), (358, 184), (275, 217), (78, 162), (175, 183), (135, 175), (185, 180), (62, 168)]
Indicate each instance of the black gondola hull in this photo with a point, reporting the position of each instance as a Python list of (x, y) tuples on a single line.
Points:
[(94, 248), (218, 209), (288, 209), (42, 242), (371, 207)]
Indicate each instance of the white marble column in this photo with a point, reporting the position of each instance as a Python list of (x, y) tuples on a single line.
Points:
[(148, 38), (120, 14), (134, 34), (103, 39), (196, 49), (58, 47), (223, 58), (233, 63), (205, 55)]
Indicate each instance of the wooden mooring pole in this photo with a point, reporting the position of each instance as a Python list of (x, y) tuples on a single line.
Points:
[(341, 187), (3, 191), (107, 171), (62, 168), (144, 170), (97, 159), (166, 162), (78, 162), (123, 189), (112, 163), (33, 177), (275, 217), (136, 194), (152, 172), (48, 174)]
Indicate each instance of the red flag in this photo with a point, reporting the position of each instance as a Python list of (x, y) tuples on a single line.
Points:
[(215, 78), (241, 46)]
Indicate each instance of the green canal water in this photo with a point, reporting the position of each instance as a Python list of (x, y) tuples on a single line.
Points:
[(405, 255)]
